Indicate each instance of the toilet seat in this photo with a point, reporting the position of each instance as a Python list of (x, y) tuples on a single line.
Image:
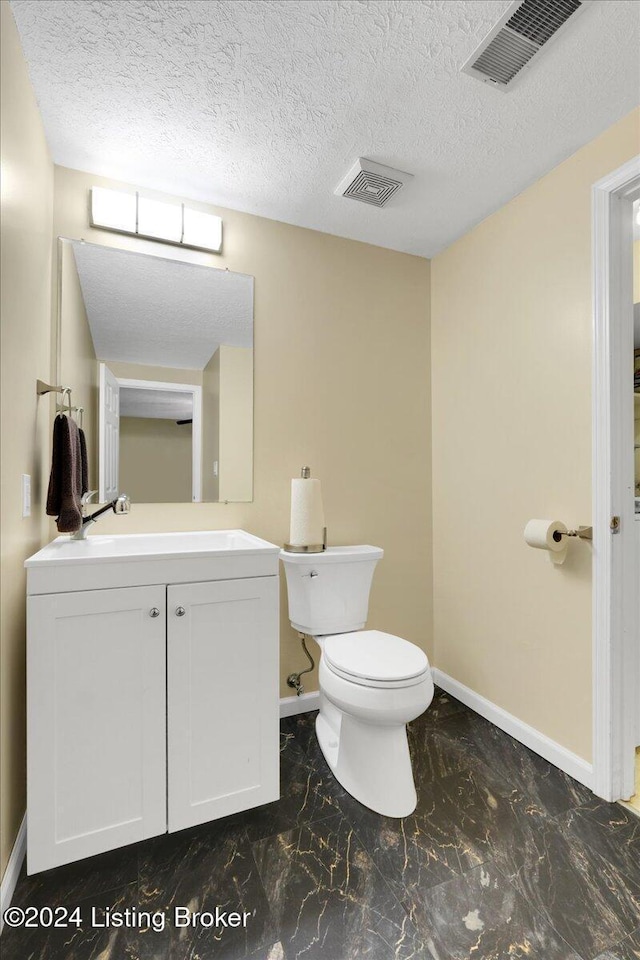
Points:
[(372, 658)]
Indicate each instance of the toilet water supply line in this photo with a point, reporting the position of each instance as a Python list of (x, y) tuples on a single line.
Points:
[(293, 680)]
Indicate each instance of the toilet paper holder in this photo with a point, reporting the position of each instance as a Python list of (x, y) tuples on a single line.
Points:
[(585, 533)]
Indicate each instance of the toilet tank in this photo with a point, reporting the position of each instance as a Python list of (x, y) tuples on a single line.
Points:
[(329, 591)]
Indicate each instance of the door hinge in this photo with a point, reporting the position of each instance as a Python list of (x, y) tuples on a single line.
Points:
[(614, 526)]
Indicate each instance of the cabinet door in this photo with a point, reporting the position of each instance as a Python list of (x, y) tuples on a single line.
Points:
[(96, 702), (223, 716)]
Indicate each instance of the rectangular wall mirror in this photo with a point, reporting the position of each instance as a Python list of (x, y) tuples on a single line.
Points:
[(159, 354)]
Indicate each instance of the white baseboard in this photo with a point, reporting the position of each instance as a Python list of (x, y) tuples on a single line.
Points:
[(556, 754), (12, 872), (289, 706)]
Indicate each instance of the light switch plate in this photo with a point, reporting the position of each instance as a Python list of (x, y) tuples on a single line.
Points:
[(26, 495)]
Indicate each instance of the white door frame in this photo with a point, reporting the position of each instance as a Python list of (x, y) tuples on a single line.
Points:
[(616, 658), (196, 426)]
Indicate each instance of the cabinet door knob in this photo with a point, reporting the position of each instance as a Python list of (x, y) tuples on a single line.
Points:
[(154, 612), (180, 611)]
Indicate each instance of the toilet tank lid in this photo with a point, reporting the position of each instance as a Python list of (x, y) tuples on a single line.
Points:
[(334, 555)]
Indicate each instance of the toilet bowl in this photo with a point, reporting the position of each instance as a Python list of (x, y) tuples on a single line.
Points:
[(371, 683)]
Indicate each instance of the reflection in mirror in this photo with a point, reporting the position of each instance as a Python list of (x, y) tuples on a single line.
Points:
[(160, 355)]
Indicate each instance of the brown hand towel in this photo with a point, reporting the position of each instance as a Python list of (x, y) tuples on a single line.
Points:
[(65, 483), (84, 462)]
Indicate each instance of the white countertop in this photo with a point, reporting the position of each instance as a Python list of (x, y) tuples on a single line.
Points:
[(120, 548)]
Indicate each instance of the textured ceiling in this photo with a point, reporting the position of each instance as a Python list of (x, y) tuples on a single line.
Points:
[(165, 313), (156, 404), (263, 106)]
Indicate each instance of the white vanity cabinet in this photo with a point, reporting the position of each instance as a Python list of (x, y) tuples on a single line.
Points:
[(222, 685), (152, 688), (96, 702)]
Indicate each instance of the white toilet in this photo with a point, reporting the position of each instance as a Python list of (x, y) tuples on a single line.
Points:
[(371, 683)]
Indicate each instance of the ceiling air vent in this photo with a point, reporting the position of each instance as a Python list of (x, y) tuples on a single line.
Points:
[(519, 35), (371, 182)]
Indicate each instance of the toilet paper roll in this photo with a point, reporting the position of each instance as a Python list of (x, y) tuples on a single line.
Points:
[(540, 534), (307, 513)]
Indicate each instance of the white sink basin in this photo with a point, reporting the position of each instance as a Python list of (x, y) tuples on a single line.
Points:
[(133, 546), (123, 560)]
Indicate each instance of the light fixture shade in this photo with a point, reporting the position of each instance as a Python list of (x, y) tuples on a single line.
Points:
[(161, 220), (113, 209), (202, 229)]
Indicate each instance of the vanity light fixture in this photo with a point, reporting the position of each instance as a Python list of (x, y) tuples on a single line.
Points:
[(162, 221), (114, 210), (155, 219), (201, 229)]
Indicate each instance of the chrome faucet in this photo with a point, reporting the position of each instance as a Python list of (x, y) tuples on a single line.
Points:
[(121, 504)]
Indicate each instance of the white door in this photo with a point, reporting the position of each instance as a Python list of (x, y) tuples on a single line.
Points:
[(109, 436), (223, 704), (96, 709)]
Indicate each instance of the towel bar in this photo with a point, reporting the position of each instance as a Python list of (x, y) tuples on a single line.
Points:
[(42, 388), (61, 407)]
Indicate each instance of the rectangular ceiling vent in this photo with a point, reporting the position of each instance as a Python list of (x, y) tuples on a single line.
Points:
[(521, 33), (371, 182)]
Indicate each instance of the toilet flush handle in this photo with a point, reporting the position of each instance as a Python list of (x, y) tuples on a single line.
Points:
[(312, 573)]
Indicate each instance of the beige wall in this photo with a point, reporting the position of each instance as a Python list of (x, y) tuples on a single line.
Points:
[(155, 460), (25, 286), (341, 383), (511, 361), (236, 423)]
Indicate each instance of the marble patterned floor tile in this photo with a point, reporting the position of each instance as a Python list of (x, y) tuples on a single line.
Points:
[(204, 868), (308, 792), (87, 942), (414, 853), (587, 899), (434, 753), (460, 822), (629, 949), (344, 883), (72, 882), (611, 815), (487, 815), (328, 899), (289, 749), (514, 764), (480, 916), (620, 845), (442, 707), (274, 951), (301, 730)]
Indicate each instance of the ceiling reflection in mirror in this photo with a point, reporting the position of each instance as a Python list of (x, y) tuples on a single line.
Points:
[(159, 353)]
